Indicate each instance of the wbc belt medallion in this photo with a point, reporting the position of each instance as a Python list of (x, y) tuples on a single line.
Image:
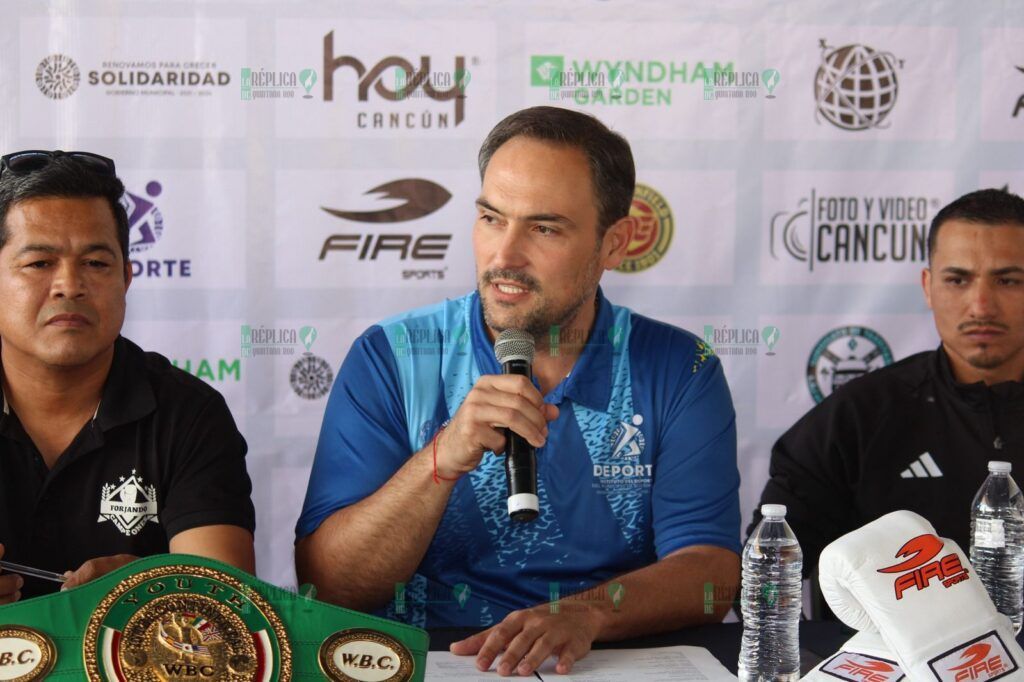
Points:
[(185, 623)]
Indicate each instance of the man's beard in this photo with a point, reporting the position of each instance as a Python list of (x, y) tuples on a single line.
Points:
[(984, 359), (539, 321)]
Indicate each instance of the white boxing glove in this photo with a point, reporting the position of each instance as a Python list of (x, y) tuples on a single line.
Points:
[(920, 593), (864, 658)]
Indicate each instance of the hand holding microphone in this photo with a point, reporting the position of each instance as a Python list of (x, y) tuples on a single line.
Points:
[(496, 404)]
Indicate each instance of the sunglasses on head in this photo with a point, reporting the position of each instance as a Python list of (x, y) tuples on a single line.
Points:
[(31, 160)]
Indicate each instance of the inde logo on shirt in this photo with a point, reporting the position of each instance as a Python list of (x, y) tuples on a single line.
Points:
[(919, 569), (983, 658)]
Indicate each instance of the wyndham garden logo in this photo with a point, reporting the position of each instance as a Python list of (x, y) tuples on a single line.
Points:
[(601, 82), (212, 369)]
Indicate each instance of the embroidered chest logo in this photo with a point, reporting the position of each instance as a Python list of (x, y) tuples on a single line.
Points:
[(627, 439), (128, 505), (622, 472)]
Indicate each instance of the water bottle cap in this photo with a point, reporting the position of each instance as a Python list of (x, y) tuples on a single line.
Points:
[(1000, 467), (773, 510)]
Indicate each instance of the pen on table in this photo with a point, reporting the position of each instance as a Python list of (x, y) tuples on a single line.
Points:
[(33, 572)]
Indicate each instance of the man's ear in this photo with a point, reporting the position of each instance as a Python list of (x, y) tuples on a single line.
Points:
[(926, 286), (127, 274), (616, 242)]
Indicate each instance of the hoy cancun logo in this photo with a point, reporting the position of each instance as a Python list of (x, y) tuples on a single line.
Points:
[(409, 82), (919, 566)]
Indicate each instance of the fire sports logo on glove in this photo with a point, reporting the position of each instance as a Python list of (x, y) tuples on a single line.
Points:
[(918, 569), (981, 659), (847, 665)]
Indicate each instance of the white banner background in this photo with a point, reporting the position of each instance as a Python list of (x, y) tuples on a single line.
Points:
[(237, 184)]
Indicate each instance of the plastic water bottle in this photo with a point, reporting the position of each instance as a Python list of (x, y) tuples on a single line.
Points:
[(771, 600), (997, 540)]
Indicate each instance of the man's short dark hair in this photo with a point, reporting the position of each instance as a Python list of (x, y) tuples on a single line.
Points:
[(63, 176), (985, 207), (612, 172)]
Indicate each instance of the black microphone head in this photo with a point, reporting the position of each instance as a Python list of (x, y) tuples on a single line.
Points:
[(514, 344)]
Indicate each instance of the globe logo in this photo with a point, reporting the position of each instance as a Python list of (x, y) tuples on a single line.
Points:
[(855, 87)]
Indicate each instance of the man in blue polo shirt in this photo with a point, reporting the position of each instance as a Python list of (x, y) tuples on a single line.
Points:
[(632, 420)]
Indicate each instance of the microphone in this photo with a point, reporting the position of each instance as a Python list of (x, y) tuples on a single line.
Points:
[(514, 351)]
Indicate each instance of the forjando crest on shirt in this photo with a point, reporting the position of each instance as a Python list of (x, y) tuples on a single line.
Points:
[(128, 504)]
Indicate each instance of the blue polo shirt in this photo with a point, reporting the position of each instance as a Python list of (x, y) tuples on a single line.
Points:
[(640, 462)]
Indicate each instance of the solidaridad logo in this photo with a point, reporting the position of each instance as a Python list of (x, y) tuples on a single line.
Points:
[(57, 76), (842, 355), (653, 233), (855, 87), (311, 376)]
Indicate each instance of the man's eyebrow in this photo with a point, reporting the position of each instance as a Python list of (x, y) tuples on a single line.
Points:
[(50, 249), (99, 247), (1008, 270), (536, 217), (953, 270), (37, 248)]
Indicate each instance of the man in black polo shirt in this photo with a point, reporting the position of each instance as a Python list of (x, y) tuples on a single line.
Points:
[(107, 453), (918, 434)]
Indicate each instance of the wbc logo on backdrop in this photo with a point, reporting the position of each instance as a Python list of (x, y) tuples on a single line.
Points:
[(981, 659)]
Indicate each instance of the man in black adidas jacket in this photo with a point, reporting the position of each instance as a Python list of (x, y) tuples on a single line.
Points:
[(918, 434)]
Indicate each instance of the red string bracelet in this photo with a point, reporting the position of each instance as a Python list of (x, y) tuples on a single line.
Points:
[(438, 477)]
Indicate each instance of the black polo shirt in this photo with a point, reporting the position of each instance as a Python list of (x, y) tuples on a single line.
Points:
[(161, 455)]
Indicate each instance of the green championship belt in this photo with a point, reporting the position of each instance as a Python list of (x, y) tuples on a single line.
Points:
[(180, 617)]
